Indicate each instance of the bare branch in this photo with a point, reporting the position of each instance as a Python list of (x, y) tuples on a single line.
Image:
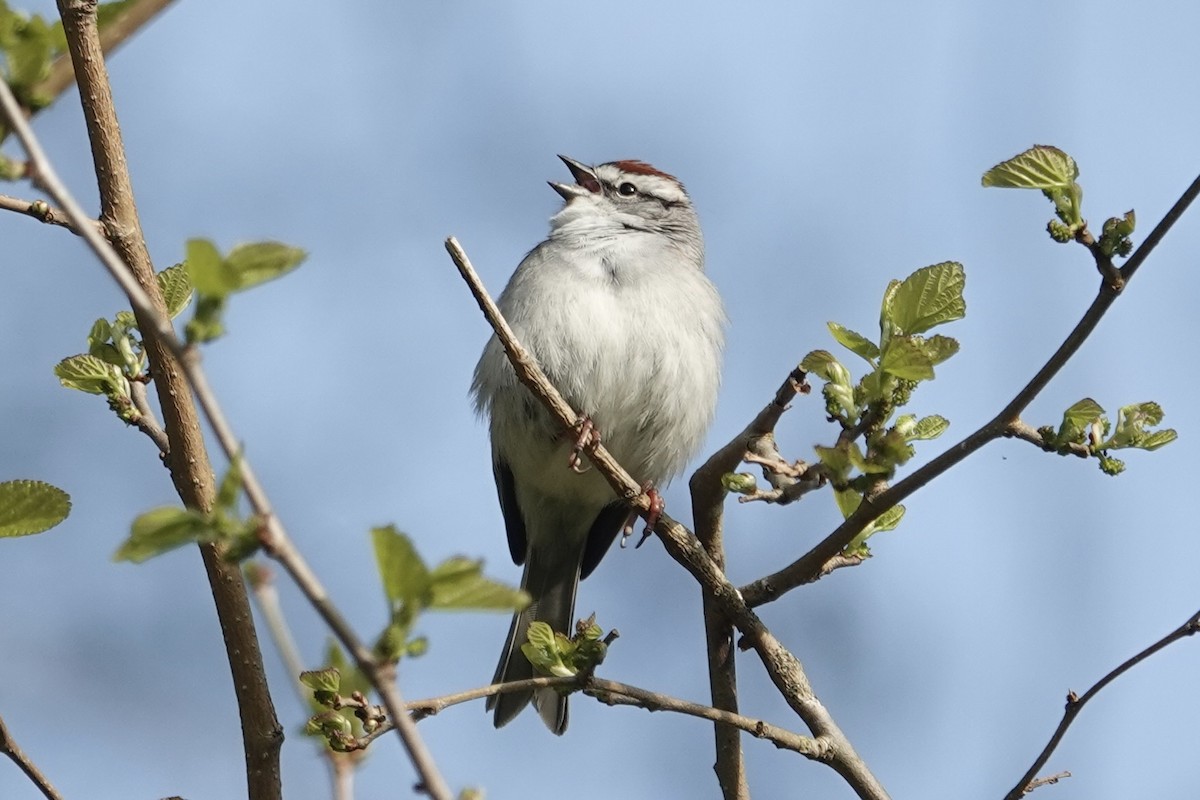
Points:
[(8, 747), (146, 422), (155, 326), (39, 210), (1075, 704), (613, 693), (808, 567)]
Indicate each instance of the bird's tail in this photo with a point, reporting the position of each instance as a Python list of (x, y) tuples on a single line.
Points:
[(552, 587)]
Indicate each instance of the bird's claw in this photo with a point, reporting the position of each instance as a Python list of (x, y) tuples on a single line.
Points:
[(589, 434)]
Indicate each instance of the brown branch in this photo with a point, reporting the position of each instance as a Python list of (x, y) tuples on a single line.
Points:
[(154, 325), (613, 693), (708, 507), (146, 421), (1075, 703), (9, 747), (783, 668), (62, 71), (808, 567), (39, 210), (188, 461)]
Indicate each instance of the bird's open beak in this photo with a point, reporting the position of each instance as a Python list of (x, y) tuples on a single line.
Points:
[(585, 181)]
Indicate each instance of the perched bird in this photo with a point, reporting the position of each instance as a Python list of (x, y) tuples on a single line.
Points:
[(615, 308)]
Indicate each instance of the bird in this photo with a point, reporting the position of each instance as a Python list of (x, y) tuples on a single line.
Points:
[(616, 309)]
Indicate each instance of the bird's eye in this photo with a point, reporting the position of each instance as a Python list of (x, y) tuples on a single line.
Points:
[(627, 189)]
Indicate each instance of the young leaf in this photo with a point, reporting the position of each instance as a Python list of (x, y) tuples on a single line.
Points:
[(322, 680), (929, 427), (1039, 167), (87, 373), (822, 364), (855, 342), (406, 579), (929, 297), (544, 650), (163, 529), (176, 289), (459, 583), (208, 272), (905, 358), (262, 261), (1078, 418), (28, 507), (939, 348), (1158, 439)]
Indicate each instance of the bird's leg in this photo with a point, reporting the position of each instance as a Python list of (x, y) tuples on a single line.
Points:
[(589, 434)]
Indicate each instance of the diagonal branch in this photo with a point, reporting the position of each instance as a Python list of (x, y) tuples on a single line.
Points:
[(808, 567), (155, 326), (9, 747), (783, 668), (1075, 703)]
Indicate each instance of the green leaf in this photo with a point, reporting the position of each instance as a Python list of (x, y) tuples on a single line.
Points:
[(28, 507), (90, 374), (929, 297), (929, 427), (207, 271), (1039, 167), (855, 342), (322, 680), (907, 359), (406, 579), (822, 364), (888, 520), (262, 261), (939, 348), (230, 487), (1158, 439), (1078, 418), (848, 501), (544, 650), (205, 325), (176, 289), (163, 529), (459, 583)]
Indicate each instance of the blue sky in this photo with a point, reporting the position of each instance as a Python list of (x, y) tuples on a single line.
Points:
[(829, 148)]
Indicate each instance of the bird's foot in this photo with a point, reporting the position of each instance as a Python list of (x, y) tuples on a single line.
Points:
[(588, 434), (652, 516)]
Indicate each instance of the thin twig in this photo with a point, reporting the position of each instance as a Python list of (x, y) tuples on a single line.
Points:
[(146, 422), (1075, 703), (9, 747), (39, 210), (809, 566), (613, 693), (275, 539), (783, 668)]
